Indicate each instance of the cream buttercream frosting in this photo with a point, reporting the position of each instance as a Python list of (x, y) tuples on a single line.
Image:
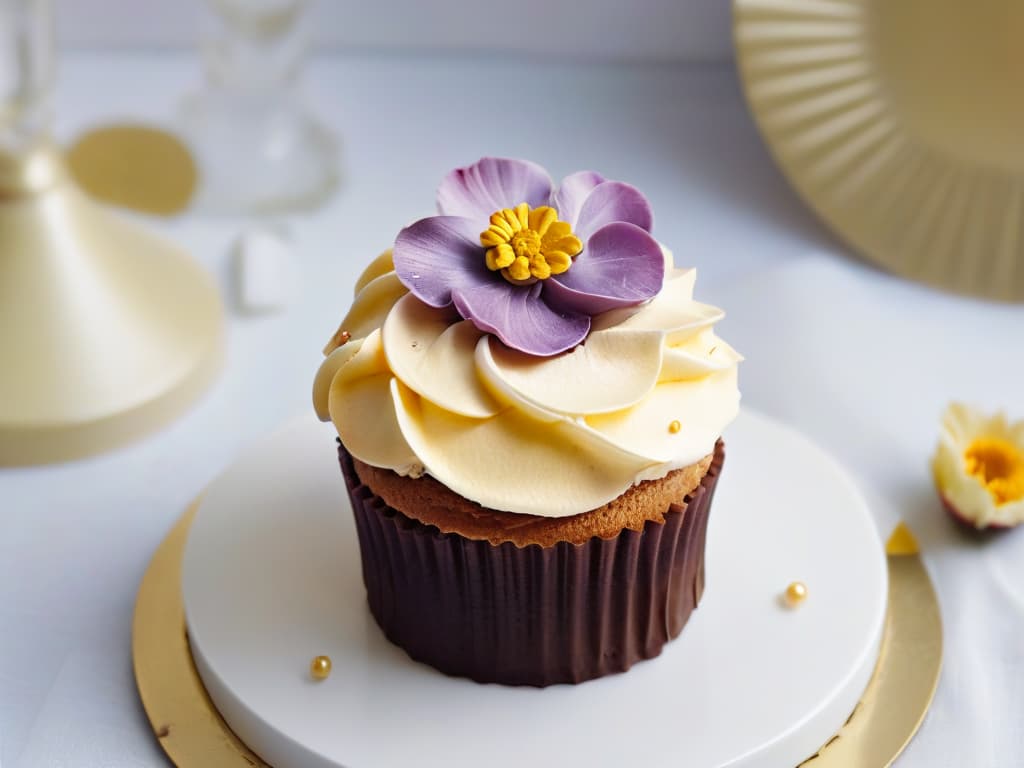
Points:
[(417, 389)]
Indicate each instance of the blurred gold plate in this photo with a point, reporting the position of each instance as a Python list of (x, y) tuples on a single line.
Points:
[(901, 123), (193, 734), (134, 166)]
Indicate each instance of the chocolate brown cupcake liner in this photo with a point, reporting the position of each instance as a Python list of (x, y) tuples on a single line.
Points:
[(531, 615)]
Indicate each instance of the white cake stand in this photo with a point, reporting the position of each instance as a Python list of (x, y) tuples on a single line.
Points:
[(271, 578)]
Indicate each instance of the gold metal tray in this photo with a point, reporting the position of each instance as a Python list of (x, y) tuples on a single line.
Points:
[(194, 735)]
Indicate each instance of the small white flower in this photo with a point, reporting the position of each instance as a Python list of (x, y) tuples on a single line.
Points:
[(979, 467)]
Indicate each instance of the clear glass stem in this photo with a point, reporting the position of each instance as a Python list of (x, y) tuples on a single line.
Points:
[(254, 48), (26, 73), (259, 149)]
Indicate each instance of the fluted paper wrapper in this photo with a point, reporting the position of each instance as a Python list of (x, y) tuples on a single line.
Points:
[(532, 615)]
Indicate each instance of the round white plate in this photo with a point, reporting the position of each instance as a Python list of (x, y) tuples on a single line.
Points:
[(901, 123), (271, 578)]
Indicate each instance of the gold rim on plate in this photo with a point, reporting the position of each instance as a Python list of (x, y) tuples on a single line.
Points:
[(901, 124), (194, 735), (184, 720)]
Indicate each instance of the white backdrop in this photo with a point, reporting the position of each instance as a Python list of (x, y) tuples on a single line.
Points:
[(666, 30)]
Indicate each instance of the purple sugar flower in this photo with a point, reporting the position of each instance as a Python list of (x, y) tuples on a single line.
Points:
[(526, 263)]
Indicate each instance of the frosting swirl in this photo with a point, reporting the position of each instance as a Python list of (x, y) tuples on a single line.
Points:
[(415, 388)]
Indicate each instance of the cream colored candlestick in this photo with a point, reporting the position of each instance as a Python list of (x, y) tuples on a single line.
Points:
[(106, 330)]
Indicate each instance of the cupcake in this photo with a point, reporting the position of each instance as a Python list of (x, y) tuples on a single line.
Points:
[(529, 406)]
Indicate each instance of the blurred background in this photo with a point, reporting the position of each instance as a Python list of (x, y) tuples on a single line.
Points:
[(667, 30)]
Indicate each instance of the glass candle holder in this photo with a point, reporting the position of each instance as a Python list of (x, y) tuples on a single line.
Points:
[(257, 146), (26, 73)]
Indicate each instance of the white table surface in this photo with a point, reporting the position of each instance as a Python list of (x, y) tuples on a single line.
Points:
[(861, 362)]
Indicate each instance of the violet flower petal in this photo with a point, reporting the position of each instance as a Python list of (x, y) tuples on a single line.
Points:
[(520, 318), (574, 189), (612, 201), (621, 265), (491, 184), (434, 255)]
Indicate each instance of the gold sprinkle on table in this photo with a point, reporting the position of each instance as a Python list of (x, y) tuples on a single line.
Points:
[(796, 593), (320, 667)]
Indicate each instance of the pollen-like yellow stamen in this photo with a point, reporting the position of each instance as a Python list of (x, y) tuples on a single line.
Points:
[(528, 245), (999, 465)]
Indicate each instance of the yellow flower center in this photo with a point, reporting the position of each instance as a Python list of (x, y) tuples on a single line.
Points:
[(999, 465), (526, 244), (529, 245)]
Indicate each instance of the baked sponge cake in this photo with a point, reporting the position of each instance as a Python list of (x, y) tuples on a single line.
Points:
[(529, 406)]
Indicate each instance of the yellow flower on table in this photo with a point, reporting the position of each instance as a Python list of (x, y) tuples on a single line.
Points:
[(979, 467)]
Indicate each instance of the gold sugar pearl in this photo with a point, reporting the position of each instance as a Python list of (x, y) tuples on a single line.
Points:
[(796, 593), (320, 667), (674, 426), (340, 338)]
